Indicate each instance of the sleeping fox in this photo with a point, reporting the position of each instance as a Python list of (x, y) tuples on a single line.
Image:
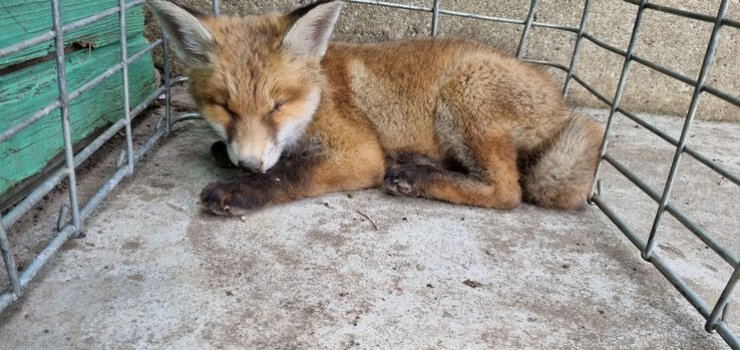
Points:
[(443, 119)]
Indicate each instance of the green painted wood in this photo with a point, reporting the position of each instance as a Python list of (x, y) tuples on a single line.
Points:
[(24, 92), (24, 19)]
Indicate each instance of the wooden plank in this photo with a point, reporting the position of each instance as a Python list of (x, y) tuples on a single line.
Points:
[(24, 19), (24, 92)]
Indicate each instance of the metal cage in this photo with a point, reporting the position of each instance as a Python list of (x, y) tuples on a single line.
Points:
[(715, 315)]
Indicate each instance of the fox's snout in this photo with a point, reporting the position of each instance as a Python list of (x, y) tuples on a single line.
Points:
[(248, 156), (252, 163)]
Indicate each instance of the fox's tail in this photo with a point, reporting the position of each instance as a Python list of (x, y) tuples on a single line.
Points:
[(561, 174)]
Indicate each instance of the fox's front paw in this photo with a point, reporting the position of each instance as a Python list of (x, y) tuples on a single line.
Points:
[(216, 198), (407, 179), (232, 198)]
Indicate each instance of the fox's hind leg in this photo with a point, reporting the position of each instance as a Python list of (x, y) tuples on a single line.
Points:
[(493, 182), (470, 131)]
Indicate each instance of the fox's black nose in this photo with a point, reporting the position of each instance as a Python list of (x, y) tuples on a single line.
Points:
[(254, 164)]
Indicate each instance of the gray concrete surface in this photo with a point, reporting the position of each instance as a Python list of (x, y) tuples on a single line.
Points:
[(668, 40), (156, 272)]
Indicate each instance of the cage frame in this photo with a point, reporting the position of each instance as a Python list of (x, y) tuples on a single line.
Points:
[(71, 227)]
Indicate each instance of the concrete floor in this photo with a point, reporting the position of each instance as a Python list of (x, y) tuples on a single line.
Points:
[(366, 270)]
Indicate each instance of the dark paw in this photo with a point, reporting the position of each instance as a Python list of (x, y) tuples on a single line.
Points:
[(407, 179), (221, 155), (231, 198), (216, 198)]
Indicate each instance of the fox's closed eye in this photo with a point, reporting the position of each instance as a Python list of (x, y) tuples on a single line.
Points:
[(279, 104), (231, 113), (275, 109)]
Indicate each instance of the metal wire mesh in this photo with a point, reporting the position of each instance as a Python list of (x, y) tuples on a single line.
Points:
[(716, 315), (71, 228)]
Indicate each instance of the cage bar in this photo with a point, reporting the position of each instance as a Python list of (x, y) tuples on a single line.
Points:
[(435, 17), (10, 266), (695, 99), (66, 127), (577, 47), (215, 6), (126, 97), (167, 81), (722, 307), (620, 87), (527, 27)]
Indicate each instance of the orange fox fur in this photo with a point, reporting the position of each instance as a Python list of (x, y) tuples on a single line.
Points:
[(445, 119)]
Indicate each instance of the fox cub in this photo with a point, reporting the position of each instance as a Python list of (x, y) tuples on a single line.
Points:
[(445, 119)]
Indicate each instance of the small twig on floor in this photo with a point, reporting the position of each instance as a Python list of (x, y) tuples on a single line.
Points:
[(375, 227), (472, 284)]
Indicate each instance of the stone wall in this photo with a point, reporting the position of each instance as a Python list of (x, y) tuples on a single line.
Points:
[(668, 40)]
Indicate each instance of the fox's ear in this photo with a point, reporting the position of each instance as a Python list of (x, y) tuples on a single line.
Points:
[(192, 41), (312, 27)]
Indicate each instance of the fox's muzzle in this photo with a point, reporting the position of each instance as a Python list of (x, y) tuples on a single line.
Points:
[(253, 164)]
